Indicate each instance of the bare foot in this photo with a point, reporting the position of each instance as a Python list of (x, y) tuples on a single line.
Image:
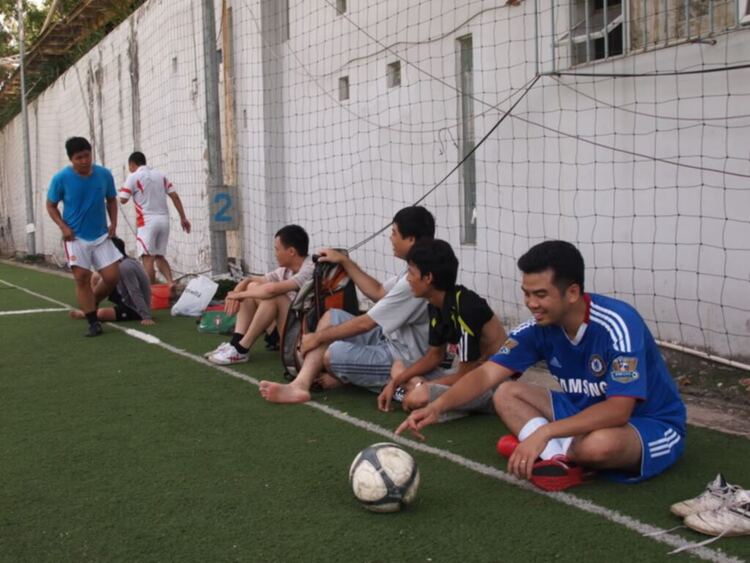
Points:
[(76, 314), (327, 381), (279, 393)]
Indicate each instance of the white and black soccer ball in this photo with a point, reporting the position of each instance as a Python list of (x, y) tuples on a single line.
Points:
[(384, 477)]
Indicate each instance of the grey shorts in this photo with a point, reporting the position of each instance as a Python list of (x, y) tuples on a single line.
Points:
[(363, 360)]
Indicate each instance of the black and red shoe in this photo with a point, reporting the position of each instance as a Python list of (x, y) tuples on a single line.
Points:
[(558, 474), (506, 445)]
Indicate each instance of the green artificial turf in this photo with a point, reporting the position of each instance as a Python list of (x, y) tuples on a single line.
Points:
[(113, 449)]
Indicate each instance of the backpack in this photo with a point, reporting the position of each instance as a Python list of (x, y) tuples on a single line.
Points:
[(330, 288)]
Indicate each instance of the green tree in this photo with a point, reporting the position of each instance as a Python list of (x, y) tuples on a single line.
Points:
[(35, 16)]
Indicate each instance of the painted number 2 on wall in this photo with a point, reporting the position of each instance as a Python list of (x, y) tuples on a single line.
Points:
[(224, 209)]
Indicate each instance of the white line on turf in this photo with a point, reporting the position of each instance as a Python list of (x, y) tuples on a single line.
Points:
[(150, 338), (29, 311), (646, 530), (35, 294)]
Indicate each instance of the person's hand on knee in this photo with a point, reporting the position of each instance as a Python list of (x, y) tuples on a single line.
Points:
[(231, 306)]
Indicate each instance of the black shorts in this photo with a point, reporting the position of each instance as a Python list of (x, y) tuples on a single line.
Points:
[(125, 313)]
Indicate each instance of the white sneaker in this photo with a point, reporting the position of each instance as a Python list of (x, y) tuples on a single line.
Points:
[(718, 492), (228, 355), (732, 519), (216, 350)]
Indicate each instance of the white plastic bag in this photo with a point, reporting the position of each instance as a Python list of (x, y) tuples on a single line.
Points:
[(195, 298)]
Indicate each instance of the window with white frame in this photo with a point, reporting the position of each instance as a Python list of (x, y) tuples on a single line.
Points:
[(468, 179), (284, 20), (599, 29), (344, 88), (596, 30), (745, 12), (393, 74)]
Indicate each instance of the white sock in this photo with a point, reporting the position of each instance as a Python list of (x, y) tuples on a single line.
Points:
[(530, 427), (556, 446)]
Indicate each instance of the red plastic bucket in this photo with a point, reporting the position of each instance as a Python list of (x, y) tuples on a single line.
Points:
[(160, 296)]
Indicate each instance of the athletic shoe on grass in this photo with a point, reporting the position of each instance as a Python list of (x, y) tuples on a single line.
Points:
[(506, 445), (216, 350), (558, 474), (227, 356), (718, 493), (95, 329), (732, 519)]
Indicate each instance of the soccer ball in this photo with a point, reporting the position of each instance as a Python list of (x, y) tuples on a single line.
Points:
[(384, 477)]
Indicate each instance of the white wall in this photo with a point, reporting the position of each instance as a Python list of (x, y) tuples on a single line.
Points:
[(97, 99), (673, 240)]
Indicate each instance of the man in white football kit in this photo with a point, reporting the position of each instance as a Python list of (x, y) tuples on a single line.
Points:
[(149, 189)]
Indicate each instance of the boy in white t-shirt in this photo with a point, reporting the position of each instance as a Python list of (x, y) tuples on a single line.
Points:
[(258, 301), (361, 350), (149, 189)]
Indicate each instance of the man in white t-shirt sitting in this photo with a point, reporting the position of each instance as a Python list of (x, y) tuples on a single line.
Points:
[(361, 350), (149, 189), (258, 301)]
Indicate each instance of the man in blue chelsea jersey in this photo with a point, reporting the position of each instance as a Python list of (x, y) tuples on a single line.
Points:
[(87, 192), (618, 410)]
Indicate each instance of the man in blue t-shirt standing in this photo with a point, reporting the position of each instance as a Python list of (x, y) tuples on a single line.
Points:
[(83, 187), (619, 410)]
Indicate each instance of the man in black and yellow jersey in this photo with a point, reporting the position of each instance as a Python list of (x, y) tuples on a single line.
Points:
[(460, 322)]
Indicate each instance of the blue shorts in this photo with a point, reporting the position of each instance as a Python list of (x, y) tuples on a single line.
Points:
[(363, 360), (662, 443)]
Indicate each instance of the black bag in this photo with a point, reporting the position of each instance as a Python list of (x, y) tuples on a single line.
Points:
[(329, 288)]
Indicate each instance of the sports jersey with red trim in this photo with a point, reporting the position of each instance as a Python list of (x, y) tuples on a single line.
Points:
[(149, 188)]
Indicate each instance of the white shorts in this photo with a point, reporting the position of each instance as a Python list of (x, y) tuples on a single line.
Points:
[(91, 254), (152, 237)]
